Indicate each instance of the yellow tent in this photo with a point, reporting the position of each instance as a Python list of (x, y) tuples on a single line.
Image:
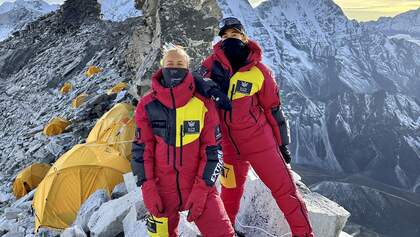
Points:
[(117, 88), (56, 126), (92, 70), (29, 178), (116, 128), (79, 100), (72, 179), (66, 88)]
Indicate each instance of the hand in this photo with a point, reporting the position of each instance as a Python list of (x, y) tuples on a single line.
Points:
[(197, 200), (151, 198), (287, 156), (222, 100)]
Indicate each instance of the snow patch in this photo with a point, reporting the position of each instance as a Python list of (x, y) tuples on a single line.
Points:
[(119, 10), (406, 37)]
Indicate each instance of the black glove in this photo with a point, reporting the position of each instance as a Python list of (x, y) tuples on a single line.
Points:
[(222, 101), (287, 156)]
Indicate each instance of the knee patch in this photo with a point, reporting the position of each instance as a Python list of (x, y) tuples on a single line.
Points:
[(228, 179), (157, 227)]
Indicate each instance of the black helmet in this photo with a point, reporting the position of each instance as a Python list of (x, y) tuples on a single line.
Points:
[(230, 23)]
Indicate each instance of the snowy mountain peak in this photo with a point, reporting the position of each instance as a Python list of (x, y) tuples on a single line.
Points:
[(14, 15), (31, 5), (404, 23)]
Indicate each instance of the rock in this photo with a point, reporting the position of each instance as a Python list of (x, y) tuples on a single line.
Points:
[(8, 225), (74, 231), (344, 234), (108, 220), (14, 234), (12, 212), (4, 197), (45, 232), (186, 228), (92, 204), (28, 197), (132, 226), (119, 191), (327, 218), (130, 182), (135, 225)]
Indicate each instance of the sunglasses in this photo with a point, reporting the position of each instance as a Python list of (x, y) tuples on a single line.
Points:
[(229, 21)]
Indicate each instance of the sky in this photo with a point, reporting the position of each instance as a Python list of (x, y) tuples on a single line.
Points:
[(361, 10), (365, 10)]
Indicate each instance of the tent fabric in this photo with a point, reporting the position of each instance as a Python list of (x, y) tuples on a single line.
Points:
[(66, 88), (72, 179), (117, 88), (116, 128), (56, 126), (92, 70), (79, 100), (29, 178)]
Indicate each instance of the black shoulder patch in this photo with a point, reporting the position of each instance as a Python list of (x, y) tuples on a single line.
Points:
[(244, 87), (192, 127)]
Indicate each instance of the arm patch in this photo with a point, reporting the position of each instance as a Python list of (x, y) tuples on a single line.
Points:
[(137, 162), (214, 164), (283, 124)]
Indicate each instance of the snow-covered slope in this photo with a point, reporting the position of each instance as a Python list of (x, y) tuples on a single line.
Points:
[(405, 23), (118, 10), (14, 15), (350, 91)]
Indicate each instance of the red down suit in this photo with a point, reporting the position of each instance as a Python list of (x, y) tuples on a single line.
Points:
[(176, 147), (252, 133)]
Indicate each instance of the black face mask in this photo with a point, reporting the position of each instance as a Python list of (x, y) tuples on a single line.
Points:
[(173, 76), (235, 50)]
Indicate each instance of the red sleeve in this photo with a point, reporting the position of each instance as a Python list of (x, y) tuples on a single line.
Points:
[(269, 98), (145, 136), (211, 162)]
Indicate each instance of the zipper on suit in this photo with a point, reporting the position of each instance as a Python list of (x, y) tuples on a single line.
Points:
[(178, 189), (227, 125), (181, 135), (231, 99), (168, 134)]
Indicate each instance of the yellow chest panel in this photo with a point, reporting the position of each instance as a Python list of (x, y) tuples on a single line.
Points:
[(190, 121), (246, 83)]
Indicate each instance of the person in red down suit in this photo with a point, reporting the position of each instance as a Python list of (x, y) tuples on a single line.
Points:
[(176, 155), (255, 130)]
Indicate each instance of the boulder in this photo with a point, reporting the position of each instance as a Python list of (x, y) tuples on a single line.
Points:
[(23, 200), (46, 232), (74, 231), (108, 219), (12, 212), (135, 225), (132, 226), (91, 205), (327, 217), (4, 197), (14, 234), (130, 182), (119, 191)]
